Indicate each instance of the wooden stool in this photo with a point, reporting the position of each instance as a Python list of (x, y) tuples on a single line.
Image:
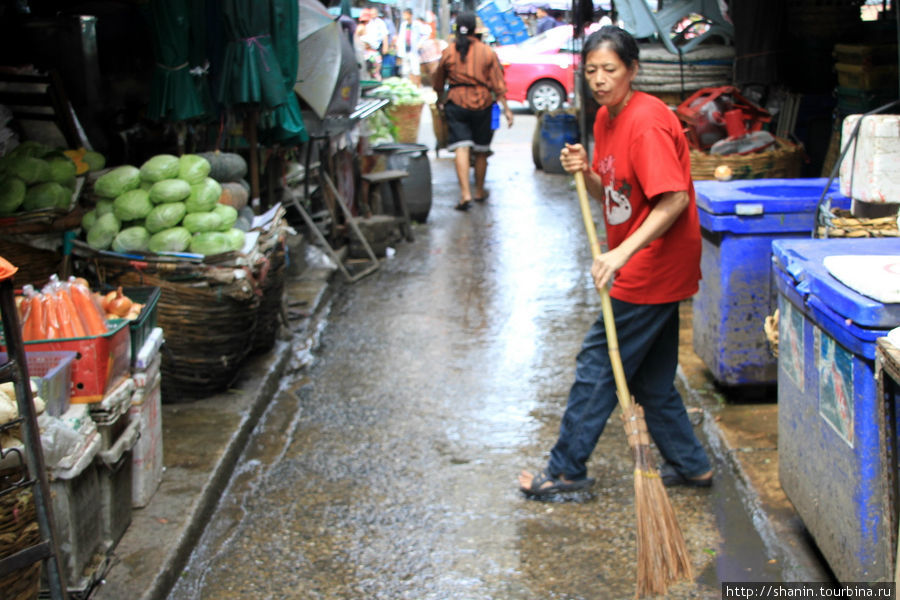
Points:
[(393, 179)]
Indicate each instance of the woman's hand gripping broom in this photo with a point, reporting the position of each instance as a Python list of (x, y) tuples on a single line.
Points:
[(662, 555)]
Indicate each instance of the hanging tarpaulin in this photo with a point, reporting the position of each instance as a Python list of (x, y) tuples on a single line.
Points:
[(284, 124), (250, 70), (319, 50), (175, 94)]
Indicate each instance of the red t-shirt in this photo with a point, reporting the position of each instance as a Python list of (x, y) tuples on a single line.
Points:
[(640, 154)]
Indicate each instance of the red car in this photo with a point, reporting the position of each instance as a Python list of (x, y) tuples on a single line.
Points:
[(541, 70)]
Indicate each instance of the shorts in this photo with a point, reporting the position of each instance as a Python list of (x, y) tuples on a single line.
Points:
[(468, 128)]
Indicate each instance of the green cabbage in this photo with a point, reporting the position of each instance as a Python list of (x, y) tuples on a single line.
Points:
[(228, 214), (210, 242), (132, 205), (94, 160), (104, 206), (12, 194), (29, 169), (202, 222), (61, 170), (159, 167), (164, 216), (31, 148), (175, 239), (170, 190), (235, 238), (193, 168), (113, 184), (204, 196), (101, 235), (47, 195), (132, 239), (89, 218)]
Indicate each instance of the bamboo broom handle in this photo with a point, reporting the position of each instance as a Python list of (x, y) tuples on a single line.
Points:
[(609, 322)]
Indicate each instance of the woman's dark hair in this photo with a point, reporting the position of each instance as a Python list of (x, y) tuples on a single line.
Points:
[(465, 26), (618, 40)]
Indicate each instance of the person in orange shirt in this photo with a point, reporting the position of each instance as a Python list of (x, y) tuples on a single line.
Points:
[(474, 79)]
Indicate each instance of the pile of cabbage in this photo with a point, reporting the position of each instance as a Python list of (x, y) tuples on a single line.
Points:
[(169, 204), (399, 91), (34, 176)]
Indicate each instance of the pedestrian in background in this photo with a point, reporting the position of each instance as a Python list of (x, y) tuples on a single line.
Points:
[(367, 40), (641, 172), (545, 21), (474, 79), (430, 51), (409, 39)]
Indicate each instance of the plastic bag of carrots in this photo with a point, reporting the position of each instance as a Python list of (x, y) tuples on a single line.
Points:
[(60, 310)]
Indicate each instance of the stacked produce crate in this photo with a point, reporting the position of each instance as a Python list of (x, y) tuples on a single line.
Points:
[(147, 458), (504, 24), (867, 76)]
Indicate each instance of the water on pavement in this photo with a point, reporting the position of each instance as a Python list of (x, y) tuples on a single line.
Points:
[(387, 468)]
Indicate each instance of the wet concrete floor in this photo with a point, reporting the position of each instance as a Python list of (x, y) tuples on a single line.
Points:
[(386, 469)]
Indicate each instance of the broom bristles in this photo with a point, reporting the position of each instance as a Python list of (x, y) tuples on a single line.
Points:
[(662, 555)]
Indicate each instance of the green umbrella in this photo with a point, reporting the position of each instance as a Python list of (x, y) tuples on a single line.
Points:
[(175, 94), (284, 124), (251, 73)]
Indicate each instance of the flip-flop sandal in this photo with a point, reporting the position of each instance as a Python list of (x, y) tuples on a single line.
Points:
[(483, 198), (671, 478), (463, 206), (538, 489)]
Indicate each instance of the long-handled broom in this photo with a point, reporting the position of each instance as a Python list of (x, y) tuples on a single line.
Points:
[(661, 552)]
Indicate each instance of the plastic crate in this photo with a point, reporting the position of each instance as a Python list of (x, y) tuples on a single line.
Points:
[(101, 362), (864, 77), (54, 373), (865, 54), (143, 326)]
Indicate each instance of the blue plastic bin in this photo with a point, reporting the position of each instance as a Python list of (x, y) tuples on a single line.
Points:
[(738, 221), (834, 433)]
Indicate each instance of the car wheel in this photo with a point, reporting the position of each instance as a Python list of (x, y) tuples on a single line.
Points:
[(546, 95)]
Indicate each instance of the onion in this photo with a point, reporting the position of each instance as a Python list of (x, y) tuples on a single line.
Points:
[(120, 304), (105, 300)]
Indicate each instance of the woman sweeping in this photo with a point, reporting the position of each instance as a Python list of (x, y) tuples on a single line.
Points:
[(641, 174), (475, 80)]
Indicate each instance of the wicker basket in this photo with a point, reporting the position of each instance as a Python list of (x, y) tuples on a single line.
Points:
[(439, 124), (405, 118), (271, 278), (19, 530), (208, 331), (840, 223), (784, 161), (35, 265)]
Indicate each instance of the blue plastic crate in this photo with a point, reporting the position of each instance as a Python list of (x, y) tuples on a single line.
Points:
[(833, 433), (739, 220)]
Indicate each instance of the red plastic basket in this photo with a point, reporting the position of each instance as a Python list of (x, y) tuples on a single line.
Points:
[(100, 363)]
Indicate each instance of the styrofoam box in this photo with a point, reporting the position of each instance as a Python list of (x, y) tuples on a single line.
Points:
[(147, 454), (869, 170)]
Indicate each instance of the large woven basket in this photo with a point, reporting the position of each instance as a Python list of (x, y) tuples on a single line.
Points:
[(785, 160), (840, 223), (268, 318), (405, 118), (208, 331), (19, 530)]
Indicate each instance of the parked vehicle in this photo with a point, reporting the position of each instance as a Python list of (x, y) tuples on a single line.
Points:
[(541, 70)]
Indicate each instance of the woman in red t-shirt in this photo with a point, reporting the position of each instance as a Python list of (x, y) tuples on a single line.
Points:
[(641, 173)]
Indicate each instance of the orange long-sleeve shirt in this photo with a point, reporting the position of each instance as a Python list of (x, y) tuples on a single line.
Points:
[(475, 83)]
